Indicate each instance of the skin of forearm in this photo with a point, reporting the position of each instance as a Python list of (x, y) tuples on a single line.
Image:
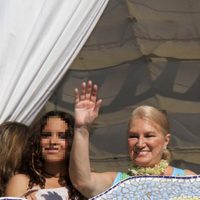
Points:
[(79, 168)]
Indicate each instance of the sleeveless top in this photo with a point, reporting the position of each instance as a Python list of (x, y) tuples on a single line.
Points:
[(121, 175), (49, 194)]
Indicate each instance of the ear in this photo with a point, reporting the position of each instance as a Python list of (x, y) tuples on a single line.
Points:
[(167, 139)]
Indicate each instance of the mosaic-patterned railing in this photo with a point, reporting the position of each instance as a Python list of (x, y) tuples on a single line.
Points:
[(154, 188)]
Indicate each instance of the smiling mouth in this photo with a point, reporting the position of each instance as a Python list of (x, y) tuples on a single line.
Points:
[(52, 150), (141, 153)]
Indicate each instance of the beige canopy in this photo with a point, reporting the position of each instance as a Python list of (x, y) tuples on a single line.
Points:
[(141, 52)]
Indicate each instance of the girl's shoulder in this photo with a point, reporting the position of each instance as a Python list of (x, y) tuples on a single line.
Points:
[(21, 177), (17, 185)]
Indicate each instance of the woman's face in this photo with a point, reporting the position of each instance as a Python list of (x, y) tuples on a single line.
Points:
[(54, 140), (146, 142)]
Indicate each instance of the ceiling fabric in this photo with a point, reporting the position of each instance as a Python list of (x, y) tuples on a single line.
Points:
[(140, 52)]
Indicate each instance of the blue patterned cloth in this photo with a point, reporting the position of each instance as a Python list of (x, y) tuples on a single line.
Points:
[(178, 172), (154, 188)]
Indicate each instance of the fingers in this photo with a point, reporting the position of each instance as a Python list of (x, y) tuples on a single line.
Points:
[(76, 92), (88, 92), (83, 90), (98, 105)]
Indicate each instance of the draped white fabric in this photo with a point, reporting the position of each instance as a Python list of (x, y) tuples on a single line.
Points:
[(39, 40)]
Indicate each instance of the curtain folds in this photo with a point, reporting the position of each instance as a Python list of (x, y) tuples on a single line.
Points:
[(39, 40)]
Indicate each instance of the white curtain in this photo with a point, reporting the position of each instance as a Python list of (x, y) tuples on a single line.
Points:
[(38, 41)]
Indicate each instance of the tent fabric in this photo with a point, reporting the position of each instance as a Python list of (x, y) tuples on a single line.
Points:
[(39, 40), (140, 52)]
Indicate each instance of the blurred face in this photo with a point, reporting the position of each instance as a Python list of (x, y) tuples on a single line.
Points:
[(54, 140), (146, 142)]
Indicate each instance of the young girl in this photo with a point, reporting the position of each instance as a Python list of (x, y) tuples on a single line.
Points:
[(48, 177)]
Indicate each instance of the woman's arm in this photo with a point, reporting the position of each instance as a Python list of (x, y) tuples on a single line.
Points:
[(86, 110)]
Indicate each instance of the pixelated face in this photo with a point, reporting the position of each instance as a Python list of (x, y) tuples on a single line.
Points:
[(146, 142), (54, 140)]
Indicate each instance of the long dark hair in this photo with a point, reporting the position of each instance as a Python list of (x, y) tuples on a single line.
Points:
[(36, 173)]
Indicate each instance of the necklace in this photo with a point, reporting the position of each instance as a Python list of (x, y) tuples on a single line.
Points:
[(158, 169)]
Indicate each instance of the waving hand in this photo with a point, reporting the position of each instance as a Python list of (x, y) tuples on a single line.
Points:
[(86, 104)]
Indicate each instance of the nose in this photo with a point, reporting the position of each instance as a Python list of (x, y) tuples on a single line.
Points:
[(140, 143), (53, 139)]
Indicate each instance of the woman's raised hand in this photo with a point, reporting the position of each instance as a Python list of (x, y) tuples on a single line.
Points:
[(86, 104)]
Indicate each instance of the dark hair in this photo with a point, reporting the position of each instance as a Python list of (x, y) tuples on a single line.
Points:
[(37, 161)]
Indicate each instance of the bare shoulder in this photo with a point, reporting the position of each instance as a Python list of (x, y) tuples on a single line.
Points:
[(170, 171), (189, 172), (17, 185)]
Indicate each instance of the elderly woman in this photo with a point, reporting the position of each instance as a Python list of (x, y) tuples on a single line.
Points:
[(148, 137), (48, 176)]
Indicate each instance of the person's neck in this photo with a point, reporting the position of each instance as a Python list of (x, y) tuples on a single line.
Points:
[(55, 170)]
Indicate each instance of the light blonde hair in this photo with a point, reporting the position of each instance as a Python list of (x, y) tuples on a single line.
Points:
[(155, 115)]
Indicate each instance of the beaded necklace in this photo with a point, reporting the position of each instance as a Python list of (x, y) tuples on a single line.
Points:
[(158, 169)]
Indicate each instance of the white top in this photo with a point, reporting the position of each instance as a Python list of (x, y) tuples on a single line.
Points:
[(49, 194)]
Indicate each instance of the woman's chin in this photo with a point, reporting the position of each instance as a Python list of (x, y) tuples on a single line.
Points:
[(142, 163)]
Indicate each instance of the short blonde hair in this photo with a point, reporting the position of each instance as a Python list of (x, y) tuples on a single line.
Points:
[(155, 115)]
